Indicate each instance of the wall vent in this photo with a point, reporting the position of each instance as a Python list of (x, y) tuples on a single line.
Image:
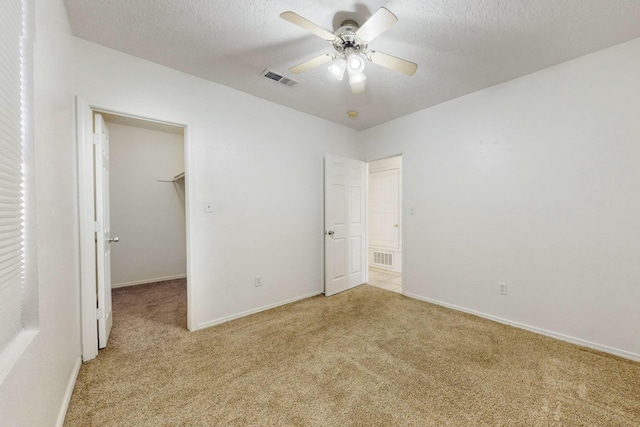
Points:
[(271, 75), (383, 258)]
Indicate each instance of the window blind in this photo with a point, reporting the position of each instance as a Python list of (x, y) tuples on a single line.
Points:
[(11, 172)]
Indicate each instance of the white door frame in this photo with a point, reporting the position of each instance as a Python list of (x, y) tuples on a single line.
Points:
[(86, 196)]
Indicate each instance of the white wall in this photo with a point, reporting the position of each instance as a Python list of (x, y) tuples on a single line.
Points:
[(147, 215), (261, 165), (35, 390), (534, 183)]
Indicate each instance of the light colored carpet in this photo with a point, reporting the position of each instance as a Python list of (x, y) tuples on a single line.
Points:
[(366, 357)]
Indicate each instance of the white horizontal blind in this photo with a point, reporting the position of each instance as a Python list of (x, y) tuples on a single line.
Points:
[(11, 174)]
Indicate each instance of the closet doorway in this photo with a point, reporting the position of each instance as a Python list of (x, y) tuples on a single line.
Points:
[(147, 201), (133, 197), (385, 223), (148, 214)]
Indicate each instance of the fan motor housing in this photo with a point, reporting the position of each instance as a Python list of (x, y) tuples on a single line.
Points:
[(348, 38)]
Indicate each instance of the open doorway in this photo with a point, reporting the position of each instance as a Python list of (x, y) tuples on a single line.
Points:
[(133, 214), (385, 223), (147, 195)]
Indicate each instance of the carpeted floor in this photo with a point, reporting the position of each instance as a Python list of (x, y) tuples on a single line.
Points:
[(366, 357)]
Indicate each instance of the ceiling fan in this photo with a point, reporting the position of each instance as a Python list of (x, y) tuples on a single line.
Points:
[(351, 43)]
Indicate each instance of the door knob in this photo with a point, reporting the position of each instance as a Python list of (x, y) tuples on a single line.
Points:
[(330, 232), (114, 239), (395, 225)]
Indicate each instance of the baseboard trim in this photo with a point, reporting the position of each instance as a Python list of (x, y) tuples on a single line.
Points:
[(68, 392), (257, 310), (562, 337), (145, 281)]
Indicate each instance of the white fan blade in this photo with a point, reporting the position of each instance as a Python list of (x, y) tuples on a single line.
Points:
[(379, 22), (312, 63), (301, 22), (393, 63)]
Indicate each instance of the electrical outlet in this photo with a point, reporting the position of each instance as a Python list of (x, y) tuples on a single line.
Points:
[(258, 281), (208, 207), (503, 288)]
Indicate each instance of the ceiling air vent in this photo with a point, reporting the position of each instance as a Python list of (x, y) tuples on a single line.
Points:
[(278, 78)]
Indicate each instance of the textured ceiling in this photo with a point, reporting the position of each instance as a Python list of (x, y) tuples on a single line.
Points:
[(460, 46)]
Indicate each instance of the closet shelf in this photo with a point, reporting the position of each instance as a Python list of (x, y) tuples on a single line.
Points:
[(175, 178)]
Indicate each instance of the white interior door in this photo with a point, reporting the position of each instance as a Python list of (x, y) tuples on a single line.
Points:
[(103, 230), (344, 204), (384, 209)]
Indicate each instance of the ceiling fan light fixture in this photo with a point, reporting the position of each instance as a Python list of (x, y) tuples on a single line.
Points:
[(356, 81), (351, 41), (356, 78), (355, 62), (338, 67)]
